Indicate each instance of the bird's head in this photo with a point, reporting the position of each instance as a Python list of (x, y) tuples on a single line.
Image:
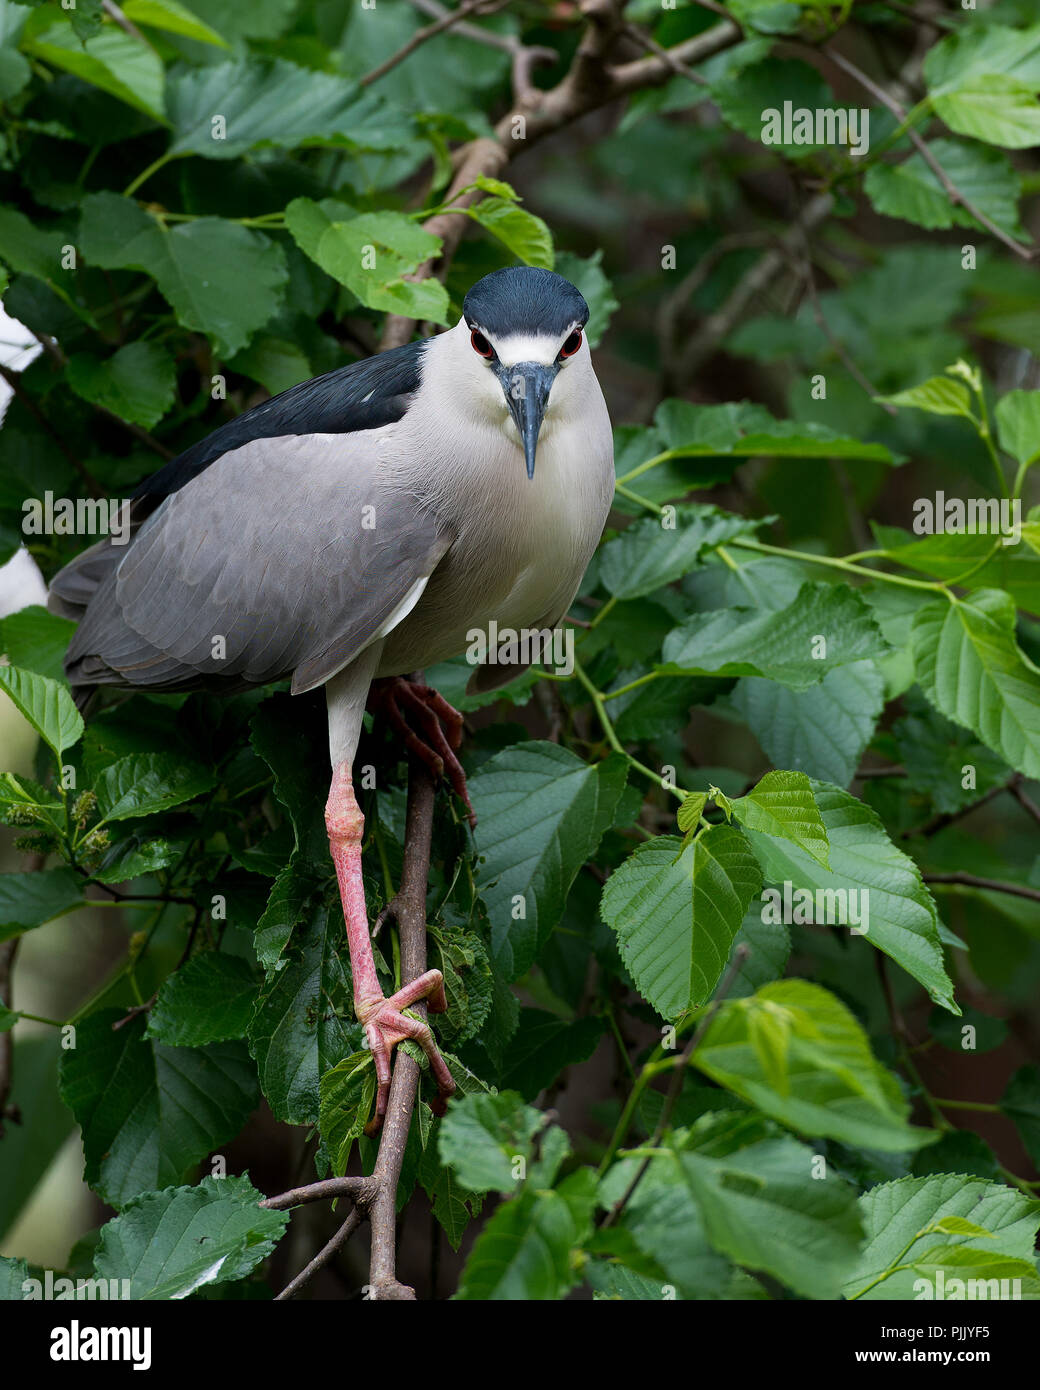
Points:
[(522, 338)]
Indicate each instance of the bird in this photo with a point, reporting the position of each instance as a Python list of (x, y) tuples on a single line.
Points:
[(355, 530)]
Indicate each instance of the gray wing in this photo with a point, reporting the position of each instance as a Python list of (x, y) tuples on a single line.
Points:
[(285, 556)]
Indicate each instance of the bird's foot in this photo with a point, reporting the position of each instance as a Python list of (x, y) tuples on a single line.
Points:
[(439, 725), (385, 1026)]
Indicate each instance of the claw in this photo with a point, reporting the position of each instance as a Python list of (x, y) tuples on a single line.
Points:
[(440, 723), (386, 1026)]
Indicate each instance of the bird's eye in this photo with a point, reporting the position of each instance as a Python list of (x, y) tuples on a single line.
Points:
[(481, 346), (572, 344)]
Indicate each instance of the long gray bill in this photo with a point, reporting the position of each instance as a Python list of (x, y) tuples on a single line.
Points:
[(527, 386)]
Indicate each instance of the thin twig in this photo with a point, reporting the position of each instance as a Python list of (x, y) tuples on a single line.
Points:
[(359, 1190), (113, 10), (995, 885), (949, 187), (740, 955), (323, 1256), (431, 31)]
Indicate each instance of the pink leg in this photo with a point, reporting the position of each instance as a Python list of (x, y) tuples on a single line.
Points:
[(385, 1025)]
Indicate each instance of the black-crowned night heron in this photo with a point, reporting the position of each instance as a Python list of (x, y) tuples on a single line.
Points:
[(356, 528)]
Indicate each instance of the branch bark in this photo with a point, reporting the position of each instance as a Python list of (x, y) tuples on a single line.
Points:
[(375, 1196)]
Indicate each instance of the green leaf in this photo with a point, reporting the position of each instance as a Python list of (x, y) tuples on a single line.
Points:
[(782, 804), (898, 1216), (482, 1136), (525, 235), (137, 382), (173, 18), (744, 98), (1018, 423), (36, 640), (911, 190), (370, 253), (939, 395), (764, 1206), (797, 1054), (676, 913), (304, 1022), (826, 627), (8, 1018), (543, 1046), (29, 900), (649, 554), (972, 671), (1021, 1104), (983, 82), (170, 1243), (524, 1251), (209, 999), (690, 812), (959, 1262), (896, 911), (541, 812), (822, 731), (47, 706), (264, 103), (586, 275), (144, 783), (118, 63), (936, 752), (133, 858), (148, 1113), (347, 1092), (220, 278), (13, 1275), (971, 558)]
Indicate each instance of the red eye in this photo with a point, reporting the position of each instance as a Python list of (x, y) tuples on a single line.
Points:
[(481, 346), (572, 344)]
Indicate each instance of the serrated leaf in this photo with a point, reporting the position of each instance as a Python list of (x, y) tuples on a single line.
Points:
[(170, 1243), (676, 913), (939, 395), (826, 627), (482, 1136), (304, 1020), (220, 278), (29, 900), (116, 62), (370, 253), (137, 382), (782, 804), (148, 1112), (971, 669), (822, 731), (647, 555), (36, 641), (763, 1206), (209, 999), (47, 705), (690, 811), (1021, 1104), (145, 783), (911, 190), (541, 812), (833, 1086), (1018, 423), (897, 1216), (347, 1092), (896, 913), (524, 1251), (524, 234)]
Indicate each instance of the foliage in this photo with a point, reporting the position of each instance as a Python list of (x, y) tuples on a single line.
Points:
[(196, 195)]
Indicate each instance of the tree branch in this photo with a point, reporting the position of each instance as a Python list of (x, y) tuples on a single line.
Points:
[(995, 885), (421, 36), (949, 187)]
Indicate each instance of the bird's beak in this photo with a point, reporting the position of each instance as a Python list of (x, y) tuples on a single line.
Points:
[(527, 386)]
